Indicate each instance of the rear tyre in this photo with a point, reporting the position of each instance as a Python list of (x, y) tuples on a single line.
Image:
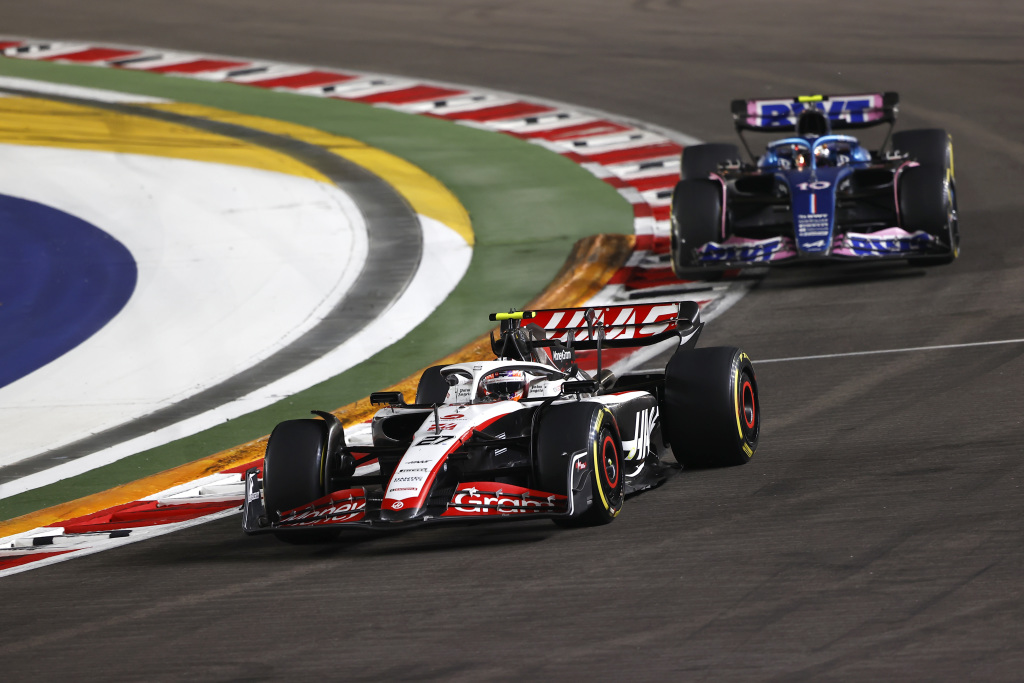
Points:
[(712, 414), (566, 429), (932, 146), (698, 161), (432, 387), (696, 220), (927, 199), (293, 475)]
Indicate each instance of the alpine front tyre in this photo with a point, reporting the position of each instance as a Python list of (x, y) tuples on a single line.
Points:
[(712, 410), (927, 200), (696, 220)]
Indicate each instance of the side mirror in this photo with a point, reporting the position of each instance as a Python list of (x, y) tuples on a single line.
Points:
[(387, 398)]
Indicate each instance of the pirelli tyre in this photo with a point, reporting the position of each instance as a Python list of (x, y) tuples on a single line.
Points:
[(712, 415), (293, 474), (931, 146), (696, 220), (578, 442), (927, 199), (699, 161)]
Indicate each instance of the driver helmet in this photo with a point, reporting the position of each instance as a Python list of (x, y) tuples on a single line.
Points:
[(502, 385), (812, 123)]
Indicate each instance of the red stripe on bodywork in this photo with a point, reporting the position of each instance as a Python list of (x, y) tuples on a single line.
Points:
[(4, 44), (419, 500), (195, 66), (501, 111), (303, 80), (93, 54), (416, 93), (662, 149)]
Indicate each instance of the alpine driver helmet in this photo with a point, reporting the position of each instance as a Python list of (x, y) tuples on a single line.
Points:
[(502, 385)]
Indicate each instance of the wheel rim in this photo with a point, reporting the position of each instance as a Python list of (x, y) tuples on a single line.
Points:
[(749, 405), (610, 462), (750, 418)]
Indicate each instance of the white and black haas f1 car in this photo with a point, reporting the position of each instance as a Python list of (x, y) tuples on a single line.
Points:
[(816, 194), (530, 434)]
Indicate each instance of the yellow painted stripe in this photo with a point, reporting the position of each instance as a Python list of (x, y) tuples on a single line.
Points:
[(592, 263), (45, 123), (425, 194), (41, 122)]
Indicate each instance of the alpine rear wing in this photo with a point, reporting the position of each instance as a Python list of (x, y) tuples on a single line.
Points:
[(844, 111), (611, 326)]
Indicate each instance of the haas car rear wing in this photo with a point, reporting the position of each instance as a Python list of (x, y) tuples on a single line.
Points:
[(610, 326)]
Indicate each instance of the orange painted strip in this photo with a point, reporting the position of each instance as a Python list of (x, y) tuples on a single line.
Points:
[(586, 271)]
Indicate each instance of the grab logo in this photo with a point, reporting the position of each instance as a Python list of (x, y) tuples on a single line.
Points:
[(505, 500)]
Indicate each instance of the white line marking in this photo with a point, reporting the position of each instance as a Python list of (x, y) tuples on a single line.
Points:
[(880, 351)]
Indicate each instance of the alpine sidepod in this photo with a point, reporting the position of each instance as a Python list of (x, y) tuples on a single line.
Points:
[(529, 434)]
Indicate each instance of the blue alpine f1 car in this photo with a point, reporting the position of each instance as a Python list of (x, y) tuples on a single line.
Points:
[(816, 193)]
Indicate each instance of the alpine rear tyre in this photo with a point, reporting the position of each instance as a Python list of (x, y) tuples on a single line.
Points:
[(698, 161)]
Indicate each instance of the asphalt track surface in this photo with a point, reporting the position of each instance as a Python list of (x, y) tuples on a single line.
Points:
[(878, 531)]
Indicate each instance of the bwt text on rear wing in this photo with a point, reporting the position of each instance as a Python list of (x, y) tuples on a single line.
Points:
[(844, 111)]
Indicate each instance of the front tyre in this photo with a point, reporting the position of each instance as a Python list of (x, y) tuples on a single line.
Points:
[(927, 197), (293, 475), (712, 412), (696, 220), (581, 435)]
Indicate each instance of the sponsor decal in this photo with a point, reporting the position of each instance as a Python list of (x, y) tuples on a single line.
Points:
[(454, 416), (397, 505), (812, 225), (417, 462), (491, 498), (619, 322), (413, 469), (642, 430), (851, 109), (434, 439), (348, 511), (400, 479), (754, 252), (443, 426), (561, 355), (581, 464)]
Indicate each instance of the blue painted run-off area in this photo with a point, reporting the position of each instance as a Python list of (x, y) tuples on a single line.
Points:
[(61, 280)]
